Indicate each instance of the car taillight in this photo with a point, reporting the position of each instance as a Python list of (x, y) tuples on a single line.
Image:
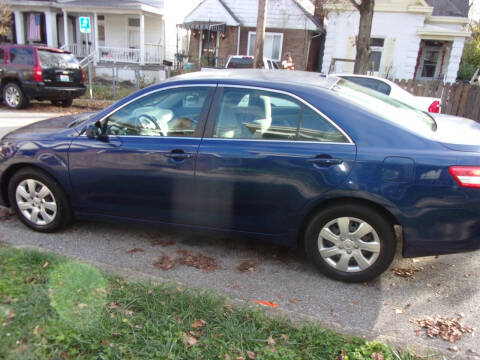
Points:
[(83, 76), (466, 176), (37, 74), (434, 107)]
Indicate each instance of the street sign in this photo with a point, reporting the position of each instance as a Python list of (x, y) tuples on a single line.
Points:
[(85, 24)]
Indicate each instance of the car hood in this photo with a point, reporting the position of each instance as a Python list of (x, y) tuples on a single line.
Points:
[(49, 126), (457, 133)]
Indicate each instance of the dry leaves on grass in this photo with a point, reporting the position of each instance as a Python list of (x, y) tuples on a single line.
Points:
[(198, 323), (198, 260), (164, 262), (135, 250), (449, 329), (114, 305), (407, 272), (377, 356), (251, 354), (189, 340), (247, 265)]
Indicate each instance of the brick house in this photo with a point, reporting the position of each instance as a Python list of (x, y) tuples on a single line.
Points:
[(220, 28)]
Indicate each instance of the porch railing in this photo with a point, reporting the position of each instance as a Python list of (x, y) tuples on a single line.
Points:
[(153, 53)]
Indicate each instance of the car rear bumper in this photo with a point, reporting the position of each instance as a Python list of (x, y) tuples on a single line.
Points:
[(40, 91)]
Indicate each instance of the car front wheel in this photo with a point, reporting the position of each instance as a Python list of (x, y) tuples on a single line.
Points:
[(38, 200), (351, 243)]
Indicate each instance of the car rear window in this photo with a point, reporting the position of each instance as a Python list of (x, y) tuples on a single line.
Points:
[(21, 56), (55, 60), (240, 63)]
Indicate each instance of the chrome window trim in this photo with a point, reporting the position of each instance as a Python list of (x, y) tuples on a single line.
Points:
[(306, 103), (150, 93)]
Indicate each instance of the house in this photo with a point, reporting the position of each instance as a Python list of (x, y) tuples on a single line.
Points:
[(135, 32), (220, 28), (410, 39)]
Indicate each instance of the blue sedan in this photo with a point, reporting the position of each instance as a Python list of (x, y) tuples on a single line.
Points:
[(288, 157)]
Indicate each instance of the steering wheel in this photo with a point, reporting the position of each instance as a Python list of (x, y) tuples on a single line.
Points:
[(147, 122)]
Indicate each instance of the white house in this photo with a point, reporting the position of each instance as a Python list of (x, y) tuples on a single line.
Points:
[(420, 39), (142, 32)]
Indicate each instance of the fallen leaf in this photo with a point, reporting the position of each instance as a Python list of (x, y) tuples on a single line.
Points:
[(266, 303), (406, 272), (198, 260), (135, 250), (128, 312), (37, 330), (283, 337), (453, 348), (251, 355), (342, 356), (377, 356), (189, 340), (271, 340), (164, 262), (247, 265), (82, 305), (114, 305), (198, 323), (45, 265), (449, 329)]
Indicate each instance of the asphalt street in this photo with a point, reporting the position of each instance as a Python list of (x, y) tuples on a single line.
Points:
[(383, 309)]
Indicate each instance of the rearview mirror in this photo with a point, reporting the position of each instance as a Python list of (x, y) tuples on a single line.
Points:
[(95, 131)]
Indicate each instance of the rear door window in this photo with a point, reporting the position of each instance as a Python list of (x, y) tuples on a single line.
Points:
[(54, 60), (315, 127), (21, 56)]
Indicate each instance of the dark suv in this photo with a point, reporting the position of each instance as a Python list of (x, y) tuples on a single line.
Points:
[(41, 73)]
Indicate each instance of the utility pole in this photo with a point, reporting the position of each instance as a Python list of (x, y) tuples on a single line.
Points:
[(260, 34)]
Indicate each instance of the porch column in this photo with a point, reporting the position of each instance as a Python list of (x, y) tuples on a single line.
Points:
[(95, 26), (19, 33), (238, 40), (65, 29), (455, 57), (142, 39), (51, 27)]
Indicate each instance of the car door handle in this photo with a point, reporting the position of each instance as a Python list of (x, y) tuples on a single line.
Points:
[(324, 161), (178, 155)]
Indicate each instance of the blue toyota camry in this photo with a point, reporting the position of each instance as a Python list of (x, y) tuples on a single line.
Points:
[(288, 157)]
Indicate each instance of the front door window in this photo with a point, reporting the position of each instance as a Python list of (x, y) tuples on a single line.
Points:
[(430, 62)]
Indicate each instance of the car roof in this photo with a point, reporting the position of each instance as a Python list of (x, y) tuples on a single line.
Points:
[(242, 76)]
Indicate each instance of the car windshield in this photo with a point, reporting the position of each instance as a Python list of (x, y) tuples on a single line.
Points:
[(56, 60), (385, 106)]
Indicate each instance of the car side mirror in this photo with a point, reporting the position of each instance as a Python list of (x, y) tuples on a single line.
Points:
[(95, 131)]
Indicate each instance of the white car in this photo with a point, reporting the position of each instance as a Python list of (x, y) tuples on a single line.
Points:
[(246, 62), (391, 89)]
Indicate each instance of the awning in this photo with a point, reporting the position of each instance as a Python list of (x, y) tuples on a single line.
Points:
[(204, 25)]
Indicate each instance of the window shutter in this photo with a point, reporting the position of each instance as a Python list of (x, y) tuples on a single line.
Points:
[(389, 52), (349, 54)]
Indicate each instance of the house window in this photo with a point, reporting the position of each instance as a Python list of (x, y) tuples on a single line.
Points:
[(272, 46), (376, 50), (101, 29), (133, 33)]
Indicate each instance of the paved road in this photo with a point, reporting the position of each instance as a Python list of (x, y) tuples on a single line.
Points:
[(447, 285)]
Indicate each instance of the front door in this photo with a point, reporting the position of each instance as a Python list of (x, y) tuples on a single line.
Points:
[(145, 168), (265, 156)]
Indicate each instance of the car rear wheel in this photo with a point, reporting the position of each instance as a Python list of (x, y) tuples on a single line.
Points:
[(14, 97), (38, 200), (351, 243)]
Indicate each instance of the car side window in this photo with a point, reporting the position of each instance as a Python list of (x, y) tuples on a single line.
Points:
[(314, 127), (21, 56), (384, 88), (173, 112), (256, 114)]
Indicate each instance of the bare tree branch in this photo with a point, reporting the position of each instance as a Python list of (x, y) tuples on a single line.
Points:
[(5, 17), (356, 4)]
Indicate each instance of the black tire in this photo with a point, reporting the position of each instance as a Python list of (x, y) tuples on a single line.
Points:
[(63, 215), (385, 236), (67, 102), (20, 101)]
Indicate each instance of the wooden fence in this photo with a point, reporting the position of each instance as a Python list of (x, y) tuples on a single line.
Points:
[(457, 99)]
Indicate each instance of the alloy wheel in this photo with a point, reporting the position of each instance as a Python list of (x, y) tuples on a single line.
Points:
[(12, 96), (349, 244), (36, 202)]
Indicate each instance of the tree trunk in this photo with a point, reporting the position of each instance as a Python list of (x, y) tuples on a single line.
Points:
[(260, 34), (362, 59)]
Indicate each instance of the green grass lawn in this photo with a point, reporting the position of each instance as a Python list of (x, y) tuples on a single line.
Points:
[(53, 308)]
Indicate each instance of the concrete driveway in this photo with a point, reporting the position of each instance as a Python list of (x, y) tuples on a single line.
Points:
[(447, 285)]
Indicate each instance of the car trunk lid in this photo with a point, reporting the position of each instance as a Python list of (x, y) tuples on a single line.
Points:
[(60, 69), (457, 133)]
